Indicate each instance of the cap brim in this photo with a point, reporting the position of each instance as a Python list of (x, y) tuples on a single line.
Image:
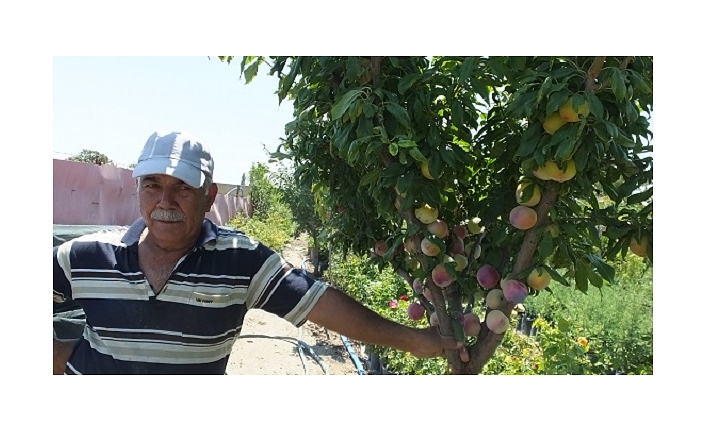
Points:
[(165, 166)]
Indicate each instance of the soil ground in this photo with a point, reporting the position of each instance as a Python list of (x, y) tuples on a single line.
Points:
[(270, 345)]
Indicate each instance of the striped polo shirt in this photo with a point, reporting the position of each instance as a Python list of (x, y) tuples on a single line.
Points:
[(191, 325)]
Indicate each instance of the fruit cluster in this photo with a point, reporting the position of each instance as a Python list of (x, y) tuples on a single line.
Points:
[(565, 114)]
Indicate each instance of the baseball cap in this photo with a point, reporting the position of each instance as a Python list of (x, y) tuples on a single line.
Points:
[(177, 154)]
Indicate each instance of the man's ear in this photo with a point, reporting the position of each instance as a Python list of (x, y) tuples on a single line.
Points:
[(212, 192)]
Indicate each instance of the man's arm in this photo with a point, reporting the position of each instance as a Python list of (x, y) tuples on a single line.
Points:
[(341, 313)]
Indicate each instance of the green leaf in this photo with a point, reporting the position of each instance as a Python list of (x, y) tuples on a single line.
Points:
[(639, 83), (417, 155), (606, 271), (528, 143), (344, 103), (251, 71), (467, 68), (593, 236), (616, 232), (624, 141), (563, 325), (631, 111), (517, 107), (556, 276), (581, 157), (406, 143), (447, 156), (594, 279), (565, 149), (639, 197), (392, 148), (543, 89), (457, 114), (595, 105), (617, 83), (407, 82), (369, 110), (370, 177), (399, 113), (601, 131), (556, 99), (545, 246), (288, 81), (612, 129), (365, 128)]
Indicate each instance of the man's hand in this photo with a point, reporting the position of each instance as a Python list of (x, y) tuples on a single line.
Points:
[(432, 344)]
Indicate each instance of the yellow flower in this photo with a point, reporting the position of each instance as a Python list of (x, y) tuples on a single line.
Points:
[(582, 341)]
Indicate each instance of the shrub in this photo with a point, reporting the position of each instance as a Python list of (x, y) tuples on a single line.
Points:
[(274, 230), (616, 320)]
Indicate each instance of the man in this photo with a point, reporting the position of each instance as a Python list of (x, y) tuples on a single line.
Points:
[(168, 295)]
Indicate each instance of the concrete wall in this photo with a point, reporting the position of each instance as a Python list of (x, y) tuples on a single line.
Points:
[(88, 194)]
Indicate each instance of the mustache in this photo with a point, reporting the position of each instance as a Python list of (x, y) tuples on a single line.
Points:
[(167, 215)]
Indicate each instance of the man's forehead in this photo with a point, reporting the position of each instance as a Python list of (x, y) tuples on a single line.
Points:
[(162, 178)]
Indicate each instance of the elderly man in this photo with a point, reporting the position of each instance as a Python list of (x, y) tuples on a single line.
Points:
[(168, 295)]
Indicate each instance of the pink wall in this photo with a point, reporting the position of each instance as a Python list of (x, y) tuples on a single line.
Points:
[(88, 194)]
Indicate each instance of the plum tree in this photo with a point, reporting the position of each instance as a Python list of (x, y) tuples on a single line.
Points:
[(367, 130)]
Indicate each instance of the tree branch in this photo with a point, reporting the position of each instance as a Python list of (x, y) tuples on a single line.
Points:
[(487, 341), (593, 72), (375, 70)]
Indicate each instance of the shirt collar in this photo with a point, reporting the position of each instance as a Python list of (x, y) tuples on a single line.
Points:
[(209, 232)]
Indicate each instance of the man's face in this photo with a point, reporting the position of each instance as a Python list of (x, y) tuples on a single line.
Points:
[(173, 210)]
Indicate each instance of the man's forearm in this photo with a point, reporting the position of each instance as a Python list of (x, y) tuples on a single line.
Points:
[(338, 312)]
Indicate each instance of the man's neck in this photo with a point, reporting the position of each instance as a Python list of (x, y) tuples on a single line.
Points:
[(153, 246)]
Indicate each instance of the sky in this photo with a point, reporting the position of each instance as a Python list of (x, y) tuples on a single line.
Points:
[(113, 104)]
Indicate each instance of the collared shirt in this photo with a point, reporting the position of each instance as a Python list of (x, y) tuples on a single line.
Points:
[(191, 325)]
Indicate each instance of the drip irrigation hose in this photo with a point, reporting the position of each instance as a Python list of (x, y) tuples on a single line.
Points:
[(354, 357)]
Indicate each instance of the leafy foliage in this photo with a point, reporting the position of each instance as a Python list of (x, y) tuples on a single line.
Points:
[(617, 320), (272, 222), (301, 201), (366, 128), (91, 156)]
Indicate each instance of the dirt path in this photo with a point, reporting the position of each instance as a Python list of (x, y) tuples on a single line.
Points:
[(270, 345)]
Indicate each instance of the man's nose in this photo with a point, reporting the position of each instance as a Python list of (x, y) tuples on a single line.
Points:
[(166, 200)]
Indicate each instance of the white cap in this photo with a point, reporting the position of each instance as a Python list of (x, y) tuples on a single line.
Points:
[(177, 154)]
